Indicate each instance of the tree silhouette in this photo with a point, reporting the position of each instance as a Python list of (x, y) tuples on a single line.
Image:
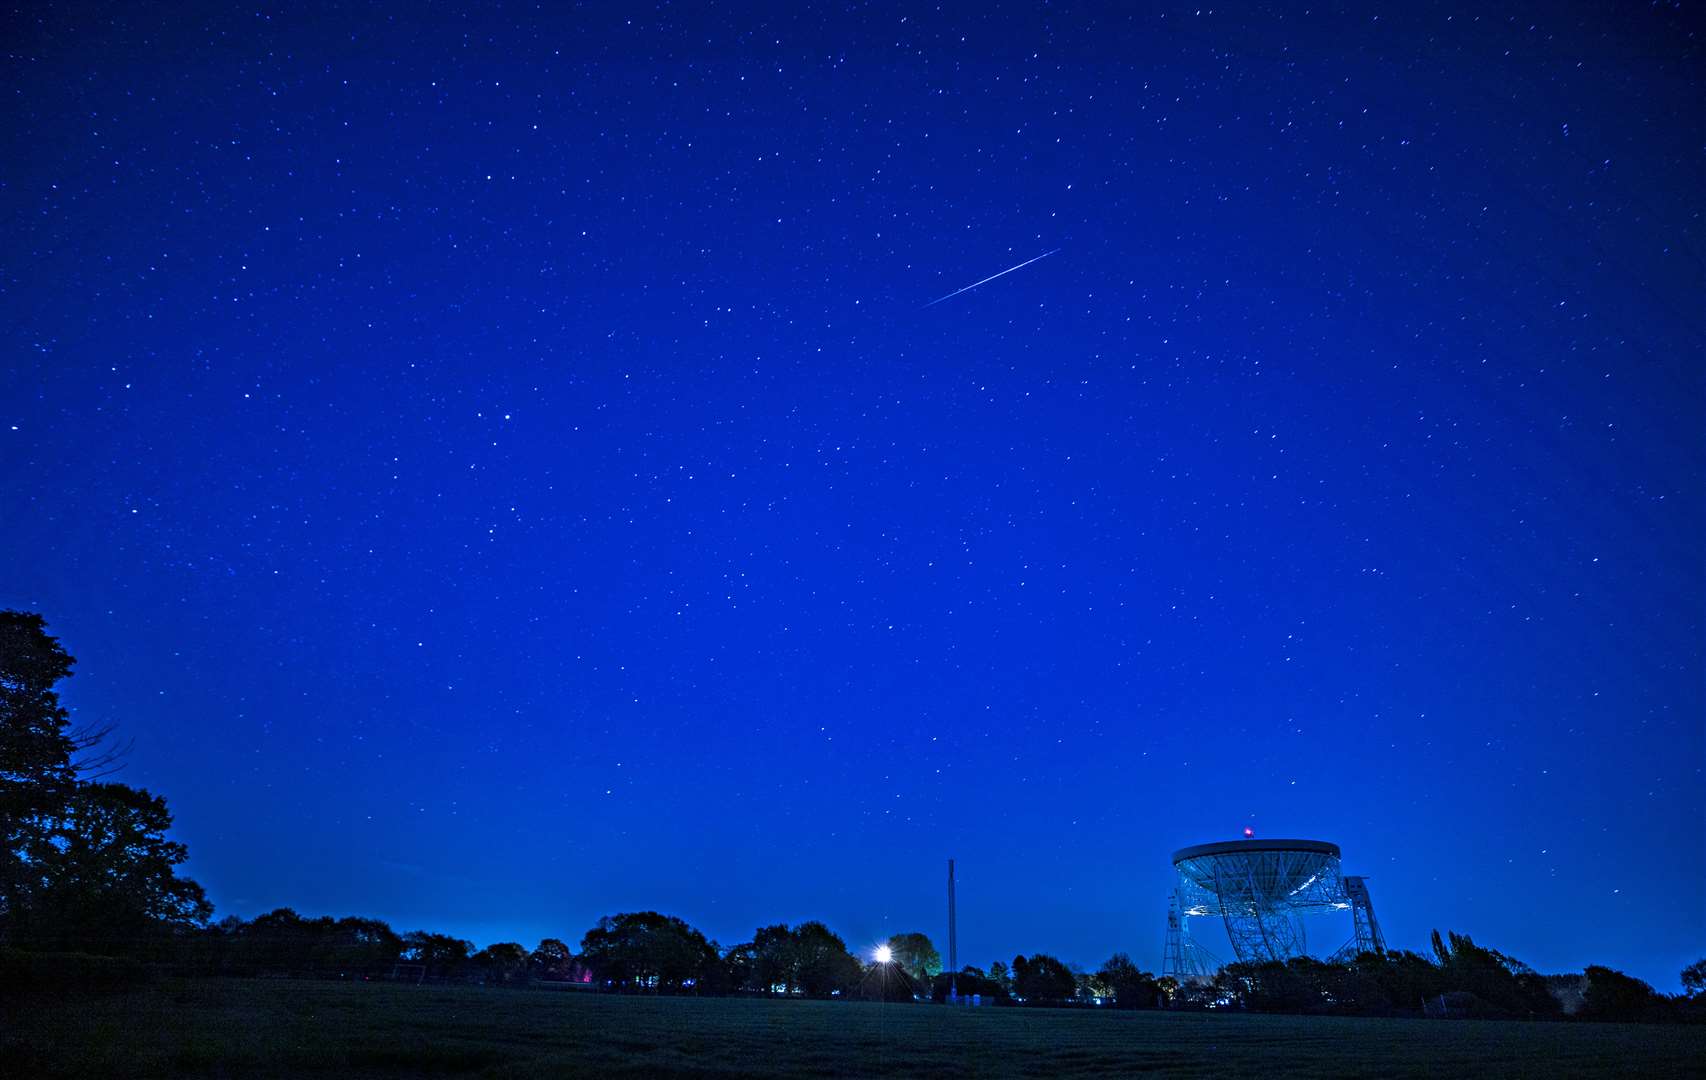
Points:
[(504, 963), (36, 773), (1694, 978), (917, 955), (645, 950), (823, 964), (1129, 987), (283, 941), (1612, 995), (1504, 984), (552, 961), (85, 864), (740, 968), (806, 959), (106, 880), (773, 962), (441, 955), (1042, 979)]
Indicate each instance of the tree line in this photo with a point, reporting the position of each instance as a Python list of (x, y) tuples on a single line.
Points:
[(1459, 980), (647, 953), (89, 884)]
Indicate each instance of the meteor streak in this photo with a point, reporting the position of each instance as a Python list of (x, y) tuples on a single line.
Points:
[(988, 279)]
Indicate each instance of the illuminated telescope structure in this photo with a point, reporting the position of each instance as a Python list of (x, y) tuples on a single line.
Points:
[(1261, 889)]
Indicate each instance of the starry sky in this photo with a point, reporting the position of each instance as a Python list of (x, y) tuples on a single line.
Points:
[(499, 467)]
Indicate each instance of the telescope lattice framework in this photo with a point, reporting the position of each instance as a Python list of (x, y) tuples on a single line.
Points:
[(1261, 890)]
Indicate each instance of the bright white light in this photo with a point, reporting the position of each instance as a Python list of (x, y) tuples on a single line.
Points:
[(884, 954)]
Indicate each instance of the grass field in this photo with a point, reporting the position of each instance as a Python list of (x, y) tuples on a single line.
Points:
[(243, 1028)]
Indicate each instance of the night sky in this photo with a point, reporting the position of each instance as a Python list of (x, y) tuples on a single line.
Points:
[(500, 467)]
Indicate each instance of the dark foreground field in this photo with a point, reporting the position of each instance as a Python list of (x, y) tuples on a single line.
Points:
[(235, 1028)]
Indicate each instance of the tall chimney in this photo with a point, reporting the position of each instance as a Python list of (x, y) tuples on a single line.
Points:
[(953, 938)]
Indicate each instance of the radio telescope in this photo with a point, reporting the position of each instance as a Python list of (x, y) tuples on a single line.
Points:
[(1261, 889)]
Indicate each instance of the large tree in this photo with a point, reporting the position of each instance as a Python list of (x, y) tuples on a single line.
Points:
[(106, 880), (36, 773), (739, 968), (774, 966), (1129, 987), (1503, 982), (806, 959), (84, 864), (504, 963), (645, 950), (441, 955), (35, 730), (917, 955), (1041, 979), (824, 966), (552, 961), (363, 946), (1612, 995)]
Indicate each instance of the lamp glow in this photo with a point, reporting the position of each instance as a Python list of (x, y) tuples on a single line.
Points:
[(883, 954)]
